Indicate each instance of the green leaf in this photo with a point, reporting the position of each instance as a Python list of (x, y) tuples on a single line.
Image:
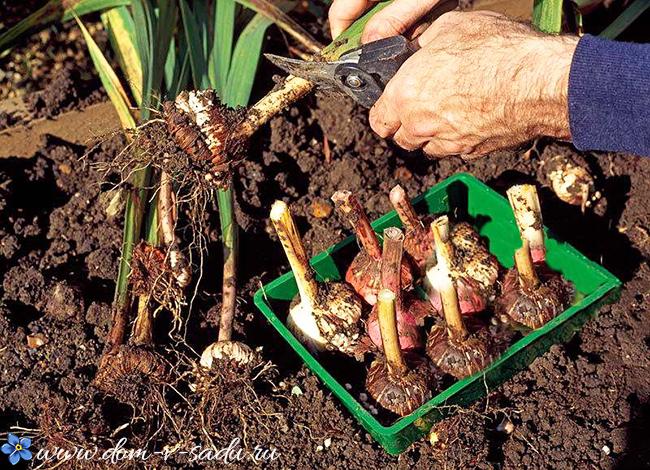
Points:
[(84, 7), (625, 19), (52, 11), (276, 14), (547, 15), (121, 31), (244, 61), (144, 19), (223, 38), (177, 67), (166, 24), (109, 80), (193, 35), (351, 37)]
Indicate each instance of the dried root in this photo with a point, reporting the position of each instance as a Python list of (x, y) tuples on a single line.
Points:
[(152, 276)]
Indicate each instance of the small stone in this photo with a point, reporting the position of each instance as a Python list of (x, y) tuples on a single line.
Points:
[(319, 449), (36, 340), (296, 391), (433, 438), (606, 450), (403, 174), (506, 426), (65, 168), (328, 442), (363, 397), (348, 386), (321, 209), (374, 410)]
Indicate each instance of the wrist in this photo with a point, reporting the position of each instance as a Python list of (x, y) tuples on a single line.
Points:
[(545, 89)]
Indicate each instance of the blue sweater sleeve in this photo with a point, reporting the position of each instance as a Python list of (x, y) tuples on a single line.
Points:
[(609, 96)]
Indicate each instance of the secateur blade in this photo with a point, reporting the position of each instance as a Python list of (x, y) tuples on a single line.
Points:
[(319, 72)]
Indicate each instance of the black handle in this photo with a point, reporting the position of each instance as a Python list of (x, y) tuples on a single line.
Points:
[(378, 62)]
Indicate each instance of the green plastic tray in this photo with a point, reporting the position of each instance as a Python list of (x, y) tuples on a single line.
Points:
[(468, 199)]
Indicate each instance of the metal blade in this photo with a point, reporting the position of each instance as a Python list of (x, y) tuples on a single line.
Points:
[(321, 73)]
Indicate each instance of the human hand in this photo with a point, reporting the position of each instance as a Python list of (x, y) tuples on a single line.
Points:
[(481, 82), (400, 17)]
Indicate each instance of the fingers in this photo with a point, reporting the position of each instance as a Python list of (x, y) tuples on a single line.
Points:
[(445, 148), (407, 140), (397, 18), (343, 13), (383, 118)]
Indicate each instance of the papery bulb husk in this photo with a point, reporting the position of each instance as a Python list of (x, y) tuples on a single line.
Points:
[(419, 246), (571, 180), (471, 297), (233, 352), (364, 275), (411, 312), (203, 127), (475, 272), (332, 323), (406, 393), (458, 357), (535, 306)]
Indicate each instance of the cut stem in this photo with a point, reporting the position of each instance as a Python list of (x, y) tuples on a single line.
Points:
[(349, 206), (388, 329), (167, 213), (444, 247), (404, 209), (525, 268), (261, 112), (528, 214), (445, 285), (230, 237), (391, 262), (295, 251)]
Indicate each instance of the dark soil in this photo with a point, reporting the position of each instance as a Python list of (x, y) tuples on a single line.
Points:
[(585, 404)]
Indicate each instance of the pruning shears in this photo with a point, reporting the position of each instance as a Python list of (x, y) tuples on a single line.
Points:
[(361, 73)]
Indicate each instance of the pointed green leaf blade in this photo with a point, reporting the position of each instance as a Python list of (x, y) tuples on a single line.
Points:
[(109, 80)]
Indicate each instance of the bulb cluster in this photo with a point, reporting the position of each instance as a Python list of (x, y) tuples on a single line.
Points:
[(419, 335)]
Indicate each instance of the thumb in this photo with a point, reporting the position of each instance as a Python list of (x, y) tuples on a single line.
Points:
[(397, 18)]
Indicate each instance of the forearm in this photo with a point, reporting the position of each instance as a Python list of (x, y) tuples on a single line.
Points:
[(609, 96)]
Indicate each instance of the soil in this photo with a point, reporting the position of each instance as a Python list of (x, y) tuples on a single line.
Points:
[(585, 404)]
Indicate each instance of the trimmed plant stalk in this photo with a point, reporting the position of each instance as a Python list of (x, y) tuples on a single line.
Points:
[(364, 273), (467, 288), (404, 209), (418, 241), (386, 308), (324, 316), (225, 349), (411, 311), (295, 252), (397, 382), (167, 212), (350, 207), (450, 346), (266, 108), (444, 282), (528, 214), (524, 264), (532, 294)]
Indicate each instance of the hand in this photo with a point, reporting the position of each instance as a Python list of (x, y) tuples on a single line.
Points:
[(400, 17), (481, 82)]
